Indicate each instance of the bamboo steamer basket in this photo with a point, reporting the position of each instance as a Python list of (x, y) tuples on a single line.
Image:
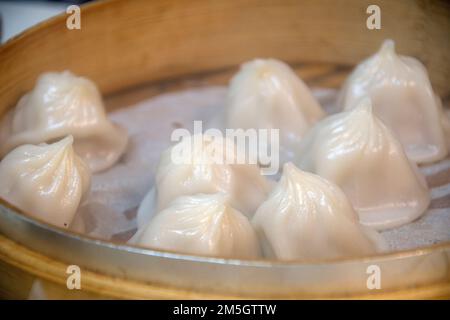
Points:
[(135, 49)]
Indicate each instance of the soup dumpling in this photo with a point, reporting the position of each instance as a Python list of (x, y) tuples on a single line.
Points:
[(267, 94), (355, 150), (63, 104), (402, 98), (204, 169), (309, 218), (46, 181), (203, 224)]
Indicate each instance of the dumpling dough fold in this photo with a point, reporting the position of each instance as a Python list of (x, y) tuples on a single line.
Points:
[(267, 94), (203, 225), (309, 218), (207, 168), (402, 98), (63, 104), (47, 181), (355, 150)]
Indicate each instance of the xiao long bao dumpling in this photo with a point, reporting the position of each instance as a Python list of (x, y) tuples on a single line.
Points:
[(267, 94), (203, 224), (63, 104), (204, 169), (355, 150), (308, 218), (403, 99), (47, 181)]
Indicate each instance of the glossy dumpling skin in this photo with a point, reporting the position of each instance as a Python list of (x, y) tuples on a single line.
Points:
[(267, 94), (402, 98), (355, 150), (63, 104), (203, 225), (309, 218), (46, 181), (204, 170)]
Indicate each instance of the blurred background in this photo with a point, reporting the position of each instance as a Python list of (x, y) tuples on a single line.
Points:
[(16, 16)]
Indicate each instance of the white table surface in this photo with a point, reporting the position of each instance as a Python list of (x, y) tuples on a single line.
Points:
[(20, 15)]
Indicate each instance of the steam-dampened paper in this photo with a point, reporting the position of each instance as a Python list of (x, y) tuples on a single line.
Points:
[(110, 210)]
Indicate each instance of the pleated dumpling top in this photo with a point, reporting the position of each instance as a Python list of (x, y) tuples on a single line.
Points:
[(267, 94), (203, 224), (403, 99), (62, 104), (355, 150), (309, 218), (46, 181), (203, 163)]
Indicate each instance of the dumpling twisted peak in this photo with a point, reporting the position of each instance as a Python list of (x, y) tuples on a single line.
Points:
[(267, 94), (308, 218), (402, 98), (63, 104), (47, 181), (205, 168), (204, 225), (355, 150)]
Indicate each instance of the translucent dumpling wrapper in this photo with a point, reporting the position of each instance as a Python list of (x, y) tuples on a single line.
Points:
[(204, 224), (355, 150), (63, 104), (205, 164), (46, 181), (402, 98), (267, 94), (309, 218)]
